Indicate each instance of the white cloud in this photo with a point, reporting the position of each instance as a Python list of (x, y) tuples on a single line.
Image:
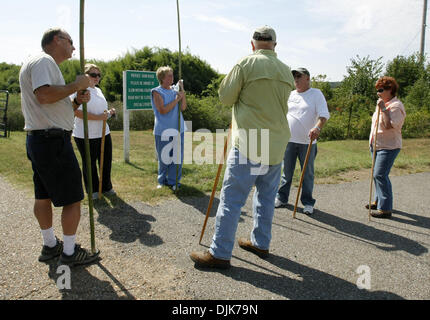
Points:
[(361, 20), (382, 28), (223, 22), (64, 17), (377, 21)]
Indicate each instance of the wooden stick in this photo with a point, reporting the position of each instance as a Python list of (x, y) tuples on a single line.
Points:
[(302, 176), (102, 156), (215, 185), (373, 161)]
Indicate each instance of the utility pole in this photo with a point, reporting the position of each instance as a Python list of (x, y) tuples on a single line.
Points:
[(423, 30)]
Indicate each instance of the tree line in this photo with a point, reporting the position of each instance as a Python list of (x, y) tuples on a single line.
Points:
[(350, 104)]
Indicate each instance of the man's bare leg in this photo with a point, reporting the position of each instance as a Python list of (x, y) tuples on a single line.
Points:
[(43, 213), (70, 218), (70, 221)]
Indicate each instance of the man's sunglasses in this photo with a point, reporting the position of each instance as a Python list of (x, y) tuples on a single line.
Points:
[(70, 40), (95, 75)]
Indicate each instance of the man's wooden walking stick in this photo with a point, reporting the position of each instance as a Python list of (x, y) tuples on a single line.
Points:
[(215, 184), (102, 156), (373, 160), (87, 144), (302, 176)]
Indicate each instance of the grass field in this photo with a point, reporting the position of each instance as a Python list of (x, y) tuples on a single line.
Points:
[(337, 161)]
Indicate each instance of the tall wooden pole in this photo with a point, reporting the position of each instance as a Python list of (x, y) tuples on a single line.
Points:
[(423, 31), (87, 144), (308, 152), (375, 136), (102, 157), (215, 185), (179, 104)]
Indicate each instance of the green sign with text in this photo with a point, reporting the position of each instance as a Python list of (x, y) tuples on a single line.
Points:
[(137, 87)]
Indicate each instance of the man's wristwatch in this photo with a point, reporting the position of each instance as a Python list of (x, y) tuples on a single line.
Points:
[(76, 102), (318, 128)]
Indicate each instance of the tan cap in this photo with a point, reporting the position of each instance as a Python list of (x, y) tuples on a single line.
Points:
[(265, 33)]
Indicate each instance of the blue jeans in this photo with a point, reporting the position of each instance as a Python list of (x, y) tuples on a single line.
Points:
[(238, 181), (294, 151), (384, 161), (167, 159)]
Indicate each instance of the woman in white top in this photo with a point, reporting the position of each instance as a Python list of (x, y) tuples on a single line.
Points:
[(96, 108)]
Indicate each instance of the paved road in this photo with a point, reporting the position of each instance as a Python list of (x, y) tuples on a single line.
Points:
[(145, 250)]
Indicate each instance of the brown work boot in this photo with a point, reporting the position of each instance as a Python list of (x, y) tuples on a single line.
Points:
[(381, 214), (206, 260), (248, 246), (373, 206)]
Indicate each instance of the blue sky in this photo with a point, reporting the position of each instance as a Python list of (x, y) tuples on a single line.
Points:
[(321, 35)]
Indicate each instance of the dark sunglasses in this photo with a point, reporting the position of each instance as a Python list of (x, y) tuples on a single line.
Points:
[(95, 75), (297, 76), (70, 40), (380, 90)]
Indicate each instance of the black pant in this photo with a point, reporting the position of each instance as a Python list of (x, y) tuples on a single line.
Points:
[(95, 152), (56, 172)]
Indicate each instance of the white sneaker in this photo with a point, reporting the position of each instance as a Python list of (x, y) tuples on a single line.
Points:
[(159, 186), (279, 203), (308, 209)]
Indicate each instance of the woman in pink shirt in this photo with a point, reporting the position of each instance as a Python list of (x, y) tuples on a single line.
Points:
[(388, 143)]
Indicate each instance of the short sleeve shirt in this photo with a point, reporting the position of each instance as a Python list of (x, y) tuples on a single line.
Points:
[(304, 109), (39, 71), (97, 105)]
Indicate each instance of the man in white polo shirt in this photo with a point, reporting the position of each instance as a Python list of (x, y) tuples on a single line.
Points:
[(49, 117), (307, 114)]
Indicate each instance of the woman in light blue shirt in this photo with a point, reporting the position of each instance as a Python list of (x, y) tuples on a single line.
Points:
[(165, 105)]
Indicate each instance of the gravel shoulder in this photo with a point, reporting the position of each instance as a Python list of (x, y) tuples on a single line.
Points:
[(145, 249)]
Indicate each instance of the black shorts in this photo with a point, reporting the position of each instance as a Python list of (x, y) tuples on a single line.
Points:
[(57, 175)]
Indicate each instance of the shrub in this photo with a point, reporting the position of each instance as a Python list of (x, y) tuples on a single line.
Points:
[(207, 113), (334, 129), (416, 125), (14, 113)]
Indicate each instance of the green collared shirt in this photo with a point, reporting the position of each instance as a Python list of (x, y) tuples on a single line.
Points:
[(258, 87)]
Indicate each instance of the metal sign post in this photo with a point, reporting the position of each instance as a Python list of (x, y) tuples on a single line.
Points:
[(4, 101)]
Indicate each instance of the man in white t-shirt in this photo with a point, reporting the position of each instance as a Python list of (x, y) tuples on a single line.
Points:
[(49, 119), (307, 114)]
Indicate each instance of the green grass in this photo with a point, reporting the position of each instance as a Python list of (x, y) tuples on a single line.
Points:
[(336, 161)]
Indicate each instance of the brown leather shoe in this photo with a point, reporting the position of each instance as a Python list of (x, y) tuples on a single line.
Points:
[(206, 260), (373, 206), (248, 246), (381, 214)]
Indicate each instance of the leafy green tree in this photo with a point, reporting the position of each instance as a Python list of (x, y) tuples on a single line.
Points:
[(69, 69), (320, 82), (213, 87), (406, 71), (197, 74), (419, 96), (359, 86), (362, 76), (9, 77)]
